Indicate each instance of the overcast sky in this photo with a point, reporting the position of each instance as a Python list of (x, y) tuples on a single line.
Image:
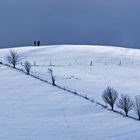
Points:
[(108, 22)]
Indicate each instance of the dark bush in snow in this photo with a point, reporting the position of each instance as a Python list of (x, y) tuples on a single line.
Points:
[(50, 71), (13, 58), (125, 103), (27, 67), (109, 96), (137, 106)]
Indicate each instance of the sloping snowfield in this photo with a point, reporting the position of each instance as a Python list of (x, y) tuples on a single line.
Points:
[(33, 110)]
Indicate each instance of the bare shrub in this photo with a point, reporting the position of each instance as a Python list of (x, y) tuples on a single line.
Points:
[(50, 71), (27, 67), (109, 96), (137, 105), (13, 58), (125, 103)]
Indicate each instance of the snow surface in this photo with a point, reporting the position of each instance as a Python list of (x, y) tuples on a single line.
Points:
[(32, 110)]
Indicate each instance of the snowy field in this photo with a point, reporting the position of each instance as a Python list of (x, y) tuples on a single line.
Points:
[(32, 110)]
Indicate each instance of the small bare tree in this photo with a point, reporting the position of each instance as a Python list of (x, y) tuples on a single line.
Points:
[(50, 71), (13, 58), (137, 105), (125, 103), (27, 66), (110, 96)]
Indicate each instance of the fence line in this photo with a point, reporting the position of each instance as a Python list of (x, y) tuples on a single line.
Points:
[(67, 90)]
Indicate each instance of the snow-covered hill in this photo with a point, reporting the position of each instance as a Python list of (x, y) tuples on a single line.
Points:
[(32, 110)]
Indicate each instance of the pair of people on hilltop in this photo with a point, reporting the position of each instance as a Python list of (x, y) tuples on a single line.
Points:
[(36, 43)]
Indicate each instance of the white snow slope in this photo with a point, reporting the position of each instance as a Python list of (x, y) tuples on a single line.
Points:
[(33, 110)]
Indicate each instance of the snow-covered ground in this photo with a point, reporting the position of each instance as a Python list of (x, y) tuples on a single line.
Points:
[(32, 110)]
